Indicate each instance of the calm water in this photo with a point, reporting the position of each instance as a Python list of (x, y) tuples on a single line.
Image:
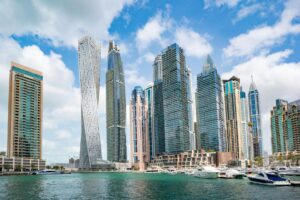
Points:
[(136, 186)]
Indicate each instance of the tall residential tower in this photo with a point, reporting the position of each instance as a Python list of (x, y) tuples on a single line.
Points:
[(175, 100), (211, 133), (89, 72), (25, 108), (159, 125), (139, 139), (255, 119), (233, 116), (115, 106)]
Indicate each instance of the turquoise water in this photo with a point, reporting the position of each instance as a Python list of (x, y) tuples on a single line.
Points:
[(136, 186)]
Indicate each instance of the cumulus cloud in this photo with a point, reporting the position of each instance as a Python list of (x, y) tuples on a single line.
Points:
[(260, 38), (192, 42), (153, 31), (49, 19), (246, 11), (219, 3), (274, 77)]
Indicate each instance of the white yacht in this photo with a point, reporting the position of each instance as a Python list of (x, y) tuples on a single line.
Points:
[(206, 172), (231, 174), (46, 172), (286, 171), (267, 178)]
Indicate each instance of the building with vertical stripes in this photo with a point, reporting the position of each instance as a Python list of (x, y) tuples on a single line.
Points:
[(25, 112)]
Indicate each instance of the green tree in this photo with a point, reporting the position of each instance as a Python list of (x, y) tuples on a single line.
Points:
[(7, 167), (18, 168), (259, 161)]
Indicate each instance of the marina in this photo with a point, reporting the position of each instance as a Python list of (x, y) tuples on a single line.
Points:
[(126, 185)]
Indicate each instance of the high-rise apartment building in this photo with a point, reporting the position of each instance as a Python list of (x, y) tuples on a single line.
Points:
[(149, 114), (211, 134), (25, 108), (159, 125), (89, 73), (190, 110), (233, 116), (175, 100), (138, 125), (115, 106), (255, 119), (246, 137), (285, 126), (293, 125)]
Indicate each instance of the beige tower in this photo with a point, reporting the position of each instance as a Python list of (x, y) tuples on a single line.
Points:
[(233, 116), (25, 110)]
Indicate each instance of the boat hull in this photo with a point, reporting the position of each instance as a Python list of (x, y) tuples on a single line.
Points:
[(206, 175)]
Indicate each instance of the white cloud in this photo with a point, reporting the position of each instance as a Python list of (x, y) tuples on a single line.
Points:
[(153, 31), (192, 42), (258, 39), (61, 21), (274, 79), (246, 11), (63, 135), (219, 3)]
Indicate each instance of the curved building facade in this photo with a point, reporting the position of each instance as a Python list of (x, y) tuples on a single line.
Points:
[(89, 72)]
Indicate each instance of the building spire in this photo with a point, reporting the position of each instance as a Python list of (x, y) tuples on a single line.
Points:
[(208, 65), (252, 85), (111, 45)]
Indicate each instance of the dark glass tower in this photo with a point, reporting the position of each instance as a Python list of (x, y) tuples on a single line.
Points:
[(175, 100), (115, 107), (255, 119), (211, 133), (159, 126)]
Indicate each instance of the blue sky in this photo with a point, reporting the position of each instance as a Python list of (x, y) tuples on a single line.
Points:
[(244, 38)]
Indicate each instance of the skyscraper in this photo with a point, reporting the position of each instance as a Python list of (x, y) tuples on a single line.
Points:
[(233, 116), (190, 110), (255, 119), (115, 106), (159, 126), (89, 73), (25, 109), (278, 123), (246, 147), (139, 138), (285, 126), (175, 100), (211, 133), (293, 125), (149, 114), (157, 69)]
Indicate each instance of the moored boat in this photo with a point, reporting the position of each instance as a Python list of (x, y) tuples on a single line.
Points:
[(46, 172), (230, 174), (268, 178), (206, 172)]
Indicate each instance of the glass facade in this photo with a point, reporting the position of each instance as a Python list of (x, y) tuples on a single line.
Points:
[(89, 72), (255, 119), (115, 107), (25, 113), (149, 101), (175, 100), (285, 126), (211, 132), (159, 122), (246, 137)]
